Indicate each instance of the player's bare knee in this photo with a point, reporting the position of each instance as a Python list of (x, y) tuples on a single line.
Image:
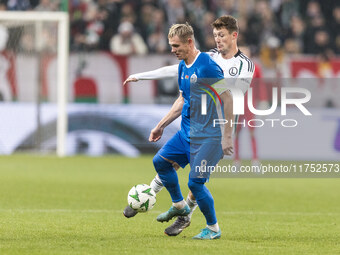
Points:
[(175, 166), (191, 196)]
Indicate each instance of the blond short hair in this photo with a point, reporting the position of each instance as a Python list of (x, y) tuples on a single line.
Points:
[(183, 31)]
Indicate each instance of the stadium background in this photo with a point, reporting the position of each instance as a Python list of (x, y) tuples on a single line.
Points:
[(295, 43)]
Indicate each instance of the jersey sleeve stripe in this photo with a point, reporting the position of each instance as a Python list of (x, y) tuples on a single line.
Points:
[(250, 63), (242, 56)]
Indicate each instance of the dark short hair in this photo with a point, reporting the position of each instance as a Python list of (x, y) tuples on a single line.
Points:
[(228, 22)]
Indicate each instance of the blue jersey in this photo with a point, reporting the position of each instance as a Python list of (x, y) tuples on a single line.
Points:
[(195, 82)]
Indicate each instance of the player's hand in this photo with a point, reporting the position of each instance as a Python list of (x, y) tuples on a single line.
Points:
[(227, 146), (155, 134), (130, 79)]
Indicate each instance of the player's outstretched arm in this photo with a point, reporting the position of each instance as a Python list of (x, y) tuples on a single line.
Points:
[(158, 74), (173, 114), (227, 142), (130, 79)]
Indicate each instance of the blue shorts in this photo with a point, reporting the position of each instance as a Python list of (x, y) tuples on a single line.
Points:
[(201, 156)]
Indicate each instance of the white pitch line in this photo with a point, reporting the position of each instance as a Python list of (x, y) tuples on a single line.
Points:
[(157, 212), (282, 213)]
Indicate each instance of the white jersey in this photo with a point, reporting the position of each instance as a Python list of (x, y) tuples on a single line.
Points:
[(238, 70)]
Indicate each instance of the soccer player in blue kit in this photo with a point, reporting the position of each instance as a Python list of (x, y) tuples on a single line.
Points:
[(229, 58), (197, 142)]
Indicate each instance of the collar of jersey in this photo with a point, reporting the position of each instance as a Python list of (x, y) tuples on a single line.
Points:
[(188, 66), (235, 56)]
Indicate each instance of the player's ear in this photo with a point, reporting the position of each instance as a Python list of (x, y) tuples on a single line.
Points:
[(190, 41), (234, 34)]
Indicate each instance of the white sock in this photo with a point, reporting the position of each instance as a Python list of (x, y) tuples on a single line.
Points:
[(192, 204), (180, 204), (156, 184), (214, 227)]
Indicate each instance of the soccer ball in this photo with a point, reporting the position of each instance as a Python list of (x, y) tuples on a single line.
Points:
[(141, 198)]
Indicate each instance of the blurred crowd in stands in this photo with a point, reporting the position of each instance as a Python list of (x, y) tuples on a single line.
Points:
[(140, 26)]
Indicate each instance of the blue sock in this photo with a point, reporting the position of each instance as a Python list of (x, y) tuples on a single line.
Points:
[(204, 199)]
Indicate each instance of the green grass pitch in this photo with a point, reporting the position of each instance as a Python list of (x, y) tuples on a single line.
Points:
[(74, 206)]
